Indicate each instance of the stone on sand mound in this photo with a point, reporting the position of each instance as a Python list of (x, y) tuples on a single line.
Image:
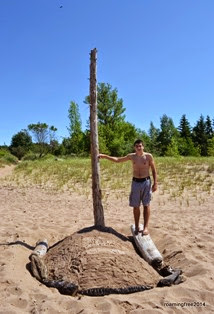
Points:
[(98, 259)]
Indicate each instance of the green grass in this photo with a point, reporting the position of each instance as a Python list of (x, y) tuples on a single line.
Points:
[(57, 174), (186, 178), (6, 158), (176, 176)]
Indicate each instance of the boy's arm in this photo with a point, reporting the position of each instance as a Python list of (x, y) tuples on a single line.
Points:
[(154, 174), (115, 159)]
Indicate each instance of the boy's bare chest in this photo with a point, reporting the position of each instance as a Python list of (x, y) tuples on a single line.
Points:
[(140, 161)]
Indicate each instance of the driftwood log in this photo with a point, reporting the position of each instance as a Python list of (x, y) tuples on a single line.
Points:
[(147, 248), (174, 278), (41, 248), (38, 267), (151, 254)]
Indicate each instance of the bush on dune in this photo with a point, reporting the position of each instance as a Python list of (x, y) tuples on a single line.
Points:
[(6, 158)]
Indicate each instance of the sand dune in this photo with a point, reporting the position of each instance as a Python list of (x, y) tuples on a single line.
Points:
[(184, 235)]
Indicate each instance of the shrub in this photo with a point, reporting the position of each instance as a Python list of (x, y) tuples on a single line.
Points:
[(30, 156), (7, 158)]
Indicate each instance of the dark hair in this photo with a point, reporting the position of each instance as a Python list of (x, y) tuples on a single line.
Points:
[(138, 142)]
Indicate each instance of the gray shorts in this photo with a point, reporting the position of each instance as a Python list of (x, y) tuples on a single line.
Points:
[(140, 192)]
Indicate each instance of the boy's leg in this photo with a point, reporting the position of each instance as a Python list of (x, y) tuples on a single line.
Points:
[(136, 212), (146, 198), (146, 215)]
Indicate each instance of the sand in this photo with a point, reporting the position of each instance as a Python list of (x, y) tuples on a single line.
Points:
[(183, 234)]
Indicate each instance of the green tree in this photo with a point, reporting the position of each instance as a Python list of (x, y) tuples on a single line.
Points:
[(75, 144), (186, 145), (172, 149), (187, 148), (75, 124), (115, 134), (43, 135), (109, 107), (210, 147), (20, 143), (102, 139), (123, 138), (167, 132), (153, 135), (184, 127), (200, 136), (208, 128)]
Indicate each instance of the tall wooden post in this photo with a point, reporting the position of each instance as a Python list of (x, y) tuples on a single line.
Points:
[(96, 190)]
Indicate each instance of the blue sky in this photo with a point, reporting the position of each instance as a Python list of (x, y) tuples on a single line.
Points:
[(159, 54)]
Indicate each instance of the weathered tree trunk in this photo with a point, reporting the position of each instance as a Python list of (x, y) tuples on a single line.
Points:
[(96, 190), (147, 248)]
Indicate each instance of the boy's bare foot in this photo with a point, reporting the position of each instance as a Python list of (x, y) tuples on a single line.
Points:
[(137, 231), (145, 231)]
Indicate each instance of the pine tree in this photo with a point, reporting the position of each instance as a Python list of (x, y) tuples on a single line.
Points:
[(200, 136), (110, 107), (208, 128), (184, 127), (210, 136), (116, 136)]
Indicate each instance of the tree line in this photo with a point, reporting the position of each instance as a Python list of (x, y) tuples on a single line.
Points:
[(116, 135)]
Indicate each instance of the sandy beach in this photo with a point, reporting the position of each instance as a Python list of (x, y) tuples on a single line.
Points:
[(183, 234)]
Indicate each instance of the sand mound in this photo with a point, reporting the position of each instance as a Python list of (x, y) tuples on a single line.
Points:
[(93, 259)]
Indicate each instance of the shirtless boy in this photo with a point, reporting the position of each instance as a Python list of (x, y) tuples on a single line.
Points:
[(141, 189)]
